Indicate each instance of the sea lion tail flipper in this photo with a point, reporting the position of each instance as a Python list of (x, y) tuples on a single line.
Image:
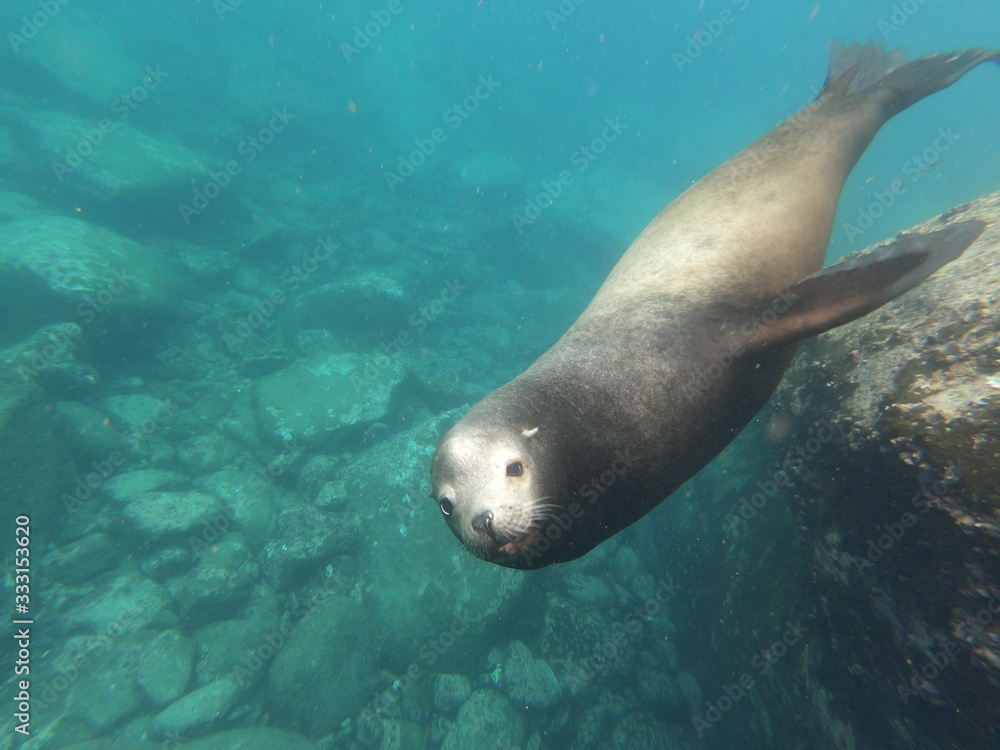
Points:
[(868, 69), (848, 290)]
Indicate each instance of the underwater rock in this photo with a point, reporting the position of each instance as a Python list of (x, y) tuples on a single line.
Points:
[(204, 454), (126, 602), (206, 262), (37, 467), (661, 694), (56, 269), (164, 666), (450, 692), (138, 413), (160, 516), (196, 711), (445, 378), (219, 584), (486, 719), (306, 537), (77, 50), (167, 562), (399, 734), (124, 488), (105, 693), (596, 646), (98, 682), (92, 436), (428, 592), (258, 738), (332, 496), (321, 675), (316, 341), (691, 691), (629, 571), (324, 400), (642, 731), (884, 536), (250, 503), (367, 305), (125, 160), (589, 590), (526, 681), (317, 471), (236, 648), (54, 356), (80, 561), (897, 493)]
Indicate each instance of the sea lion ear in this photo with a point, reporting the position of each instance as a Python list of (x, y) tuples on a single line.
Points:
[(853, 288), (530, 433)]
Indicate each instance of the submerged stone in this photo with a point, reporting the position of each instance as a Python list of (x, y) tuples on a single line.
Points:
[(325, 399), (486, 719), (56, 269), (321, 676)]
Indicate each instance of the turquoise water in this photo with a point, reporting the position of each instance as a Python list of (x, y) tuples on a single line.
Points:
[(255, 258)]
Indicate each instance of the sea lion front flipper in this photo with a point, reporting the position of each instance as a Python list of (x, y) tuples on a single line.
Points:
[(848, 290)]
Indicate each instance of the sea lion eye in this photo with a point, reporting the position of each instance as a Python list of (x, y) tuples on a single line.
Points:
[(515, 469), (446, 506)]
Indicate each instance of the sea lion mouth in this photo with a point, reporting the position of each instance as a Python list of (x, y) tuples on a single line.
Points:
[(502, 536)]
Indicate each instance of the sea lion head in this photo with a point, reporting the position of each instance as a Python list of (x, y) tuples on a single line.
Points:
[(489, 482)]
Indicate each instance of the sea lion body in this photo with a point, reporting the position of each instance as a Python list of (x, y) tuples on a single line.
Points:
[(690, 333)]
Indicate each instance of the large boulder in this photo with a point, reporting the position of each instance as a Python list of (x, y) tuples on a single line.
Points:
[(56, 269), (325, 400), (108, 158), (870, 488), (899, 502), (321, 675), (72, 46), (486, 719)]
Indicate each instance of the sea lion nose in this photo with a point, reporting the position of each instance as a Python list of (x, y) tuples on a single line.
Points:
[(483, 523)]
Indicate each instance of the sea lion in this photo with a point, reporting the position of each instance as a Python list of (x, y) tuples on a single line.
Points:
[(692, 331)]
